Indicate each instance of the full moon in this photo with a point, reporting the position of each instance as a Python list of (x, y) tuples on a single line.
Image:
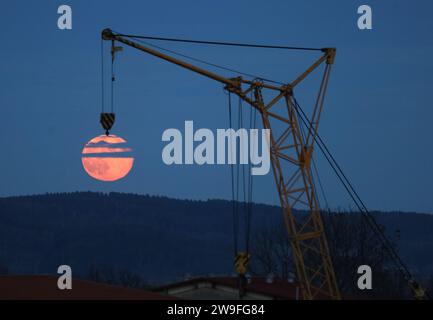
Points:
[(107, 158)]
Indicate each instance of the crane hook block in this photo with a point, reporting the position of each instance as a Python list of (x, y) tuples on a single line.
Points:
[(241, 262), (107, 121), (418, 291)]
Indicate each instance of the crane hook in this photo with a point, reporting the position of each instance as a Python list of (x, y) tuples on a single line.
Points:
[(107, 121)]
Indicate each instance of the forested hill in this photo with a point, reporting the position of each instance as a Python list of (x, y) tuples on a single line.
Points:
[(159, 238)]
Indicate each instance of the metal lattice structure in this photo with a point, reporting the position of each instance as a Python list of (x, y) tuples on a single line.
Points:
[(291, 152)]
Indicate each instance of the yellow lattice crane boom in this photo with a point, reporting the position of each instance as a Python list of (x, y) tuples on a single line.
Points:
[(291, 153)]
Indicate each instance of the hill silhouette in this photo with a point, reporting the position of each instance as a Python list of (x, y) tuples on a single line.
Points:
[(159, 238)]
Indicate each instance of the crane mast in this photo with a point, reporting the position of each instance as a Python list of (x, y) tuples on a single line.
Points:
[(291, 152)]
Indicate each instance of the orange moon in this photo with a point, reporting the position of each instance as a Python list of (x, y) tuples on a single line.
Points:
[(107, 158)]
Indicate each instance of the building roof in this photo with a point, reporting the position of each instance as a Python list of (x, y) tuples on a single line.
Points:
[(258, 288), (44, 287)]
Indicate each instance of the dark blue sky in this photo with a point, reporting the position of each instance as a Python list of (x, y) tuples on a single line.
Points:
[(377, 117)]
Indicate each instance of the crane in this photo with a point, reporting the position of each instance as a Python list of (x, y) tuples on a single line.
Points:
[(290, 148), (290, 152)]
